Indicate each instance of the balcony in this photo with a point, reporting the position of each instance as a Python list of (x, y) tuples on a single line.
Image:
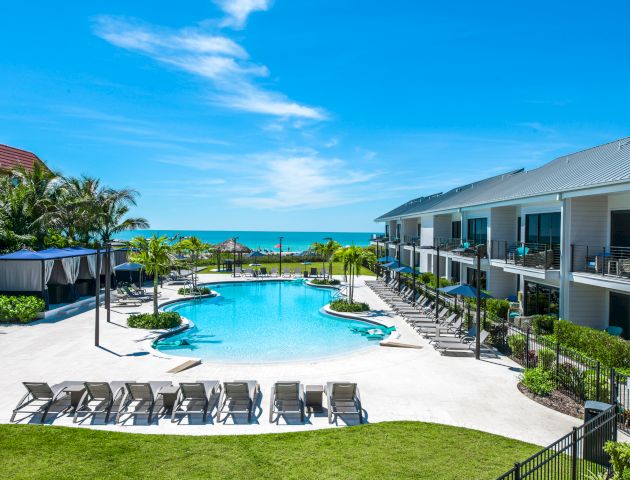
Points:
[(379, 238), (461, 248), (607, 263), (538, 256)]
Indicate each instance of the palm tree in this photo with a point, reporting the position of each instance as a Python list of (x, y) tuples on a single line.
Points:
[(329, 249), (194, 247), (319, 248), (353, 258), (155, 255), (115, 204)]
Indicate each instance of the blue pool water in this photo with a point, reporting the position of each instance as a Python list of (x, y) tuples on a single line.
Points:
[(264, 322)]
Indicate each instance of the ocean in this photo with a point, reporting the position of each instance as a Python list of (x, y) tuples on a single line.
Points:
[(293, 241)]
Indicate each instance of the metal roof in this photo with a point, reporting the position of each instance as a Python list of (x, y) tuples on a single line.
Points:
[(11, 158), (598, 166)]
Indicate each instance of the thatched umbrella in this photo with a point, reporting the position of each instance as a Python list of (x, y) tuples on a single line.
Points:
[(231, 246)]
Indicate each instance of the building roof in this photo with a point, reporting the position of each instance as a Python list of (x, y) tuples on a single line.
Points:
[(11, 158), (603, 165)]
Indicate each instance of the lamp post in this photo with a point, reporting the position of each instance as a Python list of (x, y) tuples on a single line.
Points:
[(377, 256), (478, 251), (108, 279), (97, 300), (280, 243), (413, 265), (437, 283), (234, 256), (398, 258)]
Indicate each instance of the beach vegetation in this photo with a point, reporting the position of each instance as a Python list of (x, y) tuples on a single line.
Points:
[(163, 320), (20, 309), (352, 259), (347, 306)]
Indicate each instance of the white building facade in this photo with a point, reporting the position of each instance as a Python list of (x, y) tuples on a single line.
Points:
[(557, 237)]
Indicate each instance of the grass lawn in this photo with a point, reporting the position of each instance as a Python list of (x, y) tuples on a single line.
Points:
[(386, 450), (337, 267)]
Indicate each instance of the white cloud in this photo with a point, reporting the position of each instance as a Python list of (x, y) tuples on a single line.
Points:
[(215, 58), (237, 11)]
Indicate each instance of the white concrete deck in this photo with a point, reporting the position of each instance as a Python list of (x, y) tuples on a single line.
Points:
[(395, 383)]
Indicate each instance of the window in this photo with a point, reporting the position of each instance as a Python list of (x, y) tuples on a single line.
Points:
[(478, 230), (455, 272), (398, 231), (419, 230), (471, 278), (620, 228), (541, 299), (387, 230), (543, 228), (456, 229), (619, 314), (518, 229)]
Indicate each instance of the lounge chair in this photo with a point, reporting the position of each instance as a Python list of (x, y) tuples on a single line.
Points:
[(343, 399), (463, 347), (297, 272), (123, 299), (238, 397), (469, 336), (263, 272), (98, 398), (195, 397), (287, 272), (248, 272), (286, 397), (138, 401), (38, 398), (274, 272), (314, 272)]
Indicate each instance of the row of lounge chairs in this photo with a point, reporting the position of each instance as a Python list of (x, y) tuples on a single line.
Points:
[(286, 273), (131, 295), (149, 400), (444, 330)]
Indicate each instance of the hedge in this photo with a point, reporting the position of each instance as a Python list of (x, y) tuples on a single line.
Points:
[(197, 290), (325, 281), (20, 309), (344, 306), (148, 320)]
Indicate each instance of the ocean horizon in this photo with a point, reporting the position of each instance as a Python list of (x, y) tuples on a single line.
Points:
[(263, 240)]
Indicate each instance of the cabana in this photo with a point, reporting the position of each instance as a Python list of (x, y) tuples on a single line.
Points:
[(58, 275), (231, 247)]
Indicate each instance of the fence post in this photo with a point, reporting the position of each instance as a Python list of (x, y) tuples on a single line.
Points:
[(574, 456), (557, 361), (603, 261), (613, 387), (517, 471), (527, 347), (597, 385)]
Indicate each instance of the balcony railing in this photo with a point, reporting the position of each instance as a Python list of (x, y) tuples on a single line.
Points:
[(543, 256), (605, 261), (463, 248), (380, 238)]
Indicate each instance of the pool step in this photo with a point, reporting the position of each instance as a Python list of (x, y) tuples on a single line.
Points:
[(185, 366)]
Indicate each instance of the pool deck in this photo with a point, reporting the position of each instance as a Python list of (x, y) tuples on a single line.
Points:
[(395, 383)]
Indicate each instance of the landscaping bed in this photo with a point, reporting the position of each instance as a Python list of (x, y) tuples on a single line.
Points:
[(556, 400)]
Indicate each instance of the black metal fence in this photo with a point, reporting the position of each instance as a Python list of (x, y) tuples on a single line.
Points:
[(605, 261), (531, 255), (577, 455)]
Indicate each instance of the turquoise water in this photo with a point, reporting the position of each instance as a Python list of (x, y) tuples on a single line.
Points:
[(264, 322), (296, 241)]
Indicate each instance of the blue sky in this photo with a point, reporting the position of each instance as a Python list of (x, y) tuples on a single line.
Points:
[(303, 115)]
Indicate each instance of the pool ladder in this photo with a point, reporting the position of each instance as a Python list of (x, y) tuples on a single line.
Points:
[(342, 292)]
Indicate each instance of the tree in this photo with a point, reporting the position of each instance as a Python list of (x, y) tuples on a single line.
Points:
[(330, 247), (155, 254), (353, 258), (318, 248), (194, 248), (115, 204)]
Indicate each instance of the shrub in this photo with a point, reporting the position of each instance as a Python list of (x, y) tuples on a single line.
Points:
[(619, 458), (20, 309), (611, 351), (590, 386), (148, 320), (197, 290), (497, 308), (543, 324), (571, 378), (345, 306), (546, 358), (538, 381), (325, 281), (516, 343)]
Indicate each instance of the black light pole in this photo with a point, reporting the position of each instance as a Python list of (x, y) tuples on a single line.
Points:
[(108, 279), (97, 304), (280, 268), (478, 333), (398, 258), (437, 282), (377, 256), (234, 256), (413, 266)]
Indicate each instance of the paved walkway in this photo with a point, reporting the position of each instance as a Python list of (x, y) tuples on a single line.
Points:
[(395, 383)]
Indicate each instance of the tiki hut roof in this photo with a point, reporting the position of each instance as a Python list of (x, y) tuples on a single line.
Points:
[(229, 246)]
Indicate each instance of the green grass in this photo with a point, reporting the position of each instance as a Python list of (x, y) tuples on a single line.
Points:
[(395, 450), (337, 267)]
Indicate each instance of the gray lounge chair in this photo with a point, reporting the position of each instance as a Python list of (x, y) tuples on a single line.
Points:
[(263, 272), (463, 347), (238, 397), (38, 398), (286, 397), (343, 399), (287, 272), (98, 398), (314, 272), (195, 397), (274, 272), (138, 401), (466, 337)]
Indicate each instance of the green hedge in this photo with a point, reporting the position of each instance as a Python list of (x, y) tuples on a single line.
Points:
[(611, 351), (198, 290), (325, 281), (20, 309), (344, 306), (148, 320), (538, 381)]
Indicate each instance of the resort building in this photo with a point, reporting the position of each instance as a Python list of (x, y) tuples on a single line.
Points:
[(557, 238), (12, 158)]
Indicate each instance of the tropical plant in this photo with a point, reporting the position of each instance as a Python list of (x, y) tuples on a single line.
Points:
[(20, 309), (154, 253), (619, 458), (352, 258), (193, 248), (538, 381), (345, 306), (161, 321)]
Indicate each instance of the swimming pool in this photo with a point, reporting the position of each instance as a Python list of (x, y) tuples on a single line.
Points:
[(264, 322)]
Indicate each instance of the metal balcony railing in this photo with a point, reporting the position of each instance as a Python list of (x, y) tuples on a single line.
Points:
[(379, 238), (605, 261), (544, 256)]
